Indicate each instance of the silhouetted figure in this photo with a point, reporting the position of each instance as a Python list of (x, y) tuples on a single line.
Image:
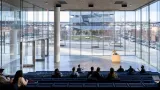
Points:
[(90, 72), (57, 74), (74, 74), (3, 79), (159, 84), (96, 75), (19, 81), (130, 70), (120, 69), (112, 75), (79, 69), (142, 70)]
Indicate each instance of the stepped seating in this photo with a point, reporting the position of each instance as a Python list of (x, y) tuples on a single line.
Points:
[(92, 85), (42, 79)]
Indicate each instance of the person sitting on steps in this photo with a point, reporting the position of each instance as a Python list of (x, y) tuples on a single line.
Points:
[(120, 69)]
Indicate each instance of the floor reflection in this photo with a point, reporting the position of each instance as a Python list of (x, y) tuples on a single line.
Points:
[(67, 62)]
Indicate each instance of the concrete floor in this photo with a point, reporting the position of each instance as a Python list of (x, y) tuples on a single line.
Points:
[(67, 62)]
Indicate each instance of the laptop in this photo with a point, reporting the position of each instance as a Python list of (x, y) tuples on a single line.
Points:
[(156, 78)]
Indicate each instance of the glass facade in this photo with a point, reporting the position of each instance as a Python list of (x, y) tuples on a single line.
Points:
[(100, 32), (147, 33), (10, 33), (83, 33)]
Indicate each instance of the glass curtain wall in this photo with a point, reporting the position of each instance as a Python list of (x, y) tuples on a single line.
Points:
[(130, 30), (108, 31), (27, 32), (138, 33), (51, 32), (153, 33), (100, 32), (1, 63), (35, 27), (147, 33), (158, 36), (120, 36), (10, 34)]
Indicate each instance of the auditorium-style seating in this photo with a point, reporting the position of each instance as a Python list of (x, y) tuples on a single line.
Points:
[(43, 80)]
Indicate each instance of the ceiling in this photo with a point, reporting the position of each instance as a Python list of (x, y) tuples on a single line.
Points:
[(83, 4)]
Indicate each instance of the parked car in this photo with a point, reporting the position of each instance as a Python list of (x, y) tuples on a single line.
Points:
[(152, 44), (143, 42), (132, 39), (87, 37), (146, 43), (125, 37), (62, 43), (116, 44)]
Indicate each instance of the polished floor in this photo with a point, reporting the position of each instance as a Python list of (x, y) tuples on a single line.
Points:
[(67, 62)]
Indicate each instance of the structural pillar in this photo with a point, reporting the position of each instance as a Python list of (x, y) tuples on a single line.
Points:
[(33, 53), (21, 55), (13, 44), (43, 48), (57, 33), (47, 46)]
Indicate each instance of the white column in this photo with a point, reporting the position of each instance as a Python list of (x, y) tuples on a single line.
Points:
[(56, 34), (13, 44)]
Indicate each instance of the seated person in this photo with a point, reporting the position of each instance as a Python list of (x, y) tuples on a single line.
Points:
[(112, 75), (90, 73), (57, 74), (130, 70), (142, 70), (74, 73), (3, 79), (96, 75), (120, 69), (19, 80), (79, 69)]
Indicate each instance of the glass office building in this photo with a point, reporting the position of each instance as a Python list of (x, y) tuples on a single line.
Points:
[(83, 33)]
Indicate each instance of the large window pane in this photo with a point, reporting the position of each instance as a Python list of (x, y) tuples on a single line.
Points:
[(120, 35), (108, 33), (96, 22), (153, 33), (158, 36), (138, 34), (75, 33), (130, 30), (145, 33)]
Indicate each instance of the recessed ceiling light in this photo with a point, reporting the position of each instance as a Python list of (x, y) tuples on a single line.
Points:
[(130, 4), (46, 2)]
